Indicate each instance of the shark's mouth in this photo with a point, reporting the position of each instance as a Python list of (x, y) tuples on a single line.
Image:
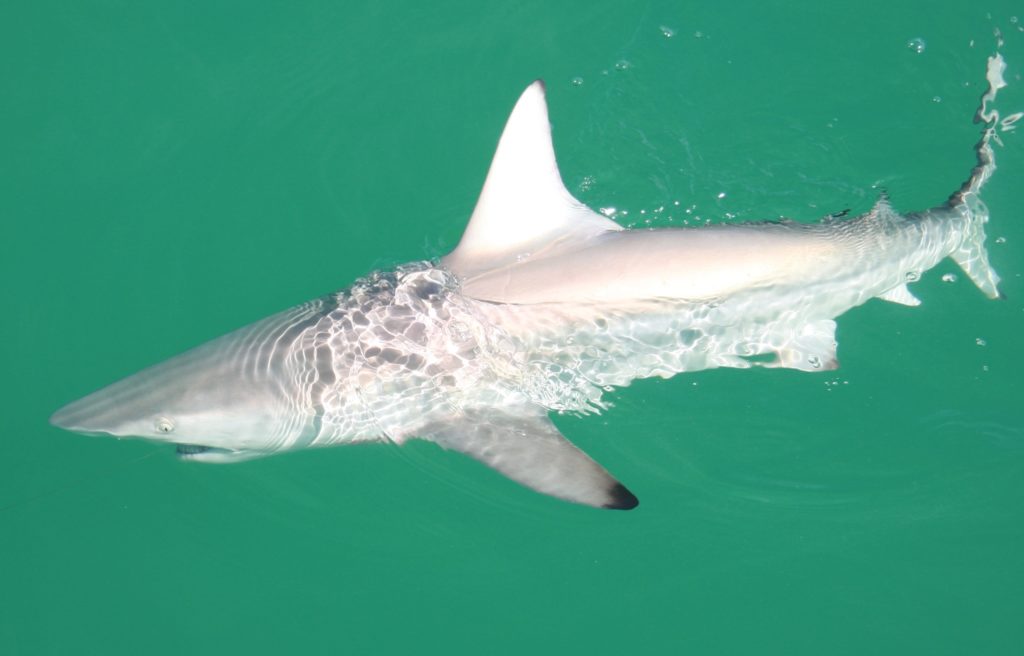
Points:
[(186, 450), (201, 453)]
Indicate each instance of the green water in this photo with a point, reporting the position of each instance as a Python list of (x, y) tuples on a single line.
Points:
[(170, 171)]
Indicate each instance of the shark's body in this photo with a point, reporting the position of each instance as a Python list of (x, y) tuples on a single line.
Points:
[(542, 307)]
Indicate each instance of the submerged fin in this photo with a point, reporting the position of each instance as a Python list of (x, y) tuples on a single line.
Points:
[(531, 451), (900, 294), (812, 348), (971, 255), (524, 208), (973, 259)]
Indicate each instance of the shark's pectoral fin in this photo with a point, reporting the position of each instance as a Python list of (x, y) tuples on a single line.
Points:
[(531, 451)]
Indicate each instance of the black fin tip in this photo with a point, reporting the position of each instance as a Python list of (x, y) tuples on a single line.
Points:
[(621, 498)]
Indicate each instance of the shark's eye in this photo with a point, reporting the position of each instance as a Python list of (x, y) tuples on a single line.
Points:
[(164, 425)]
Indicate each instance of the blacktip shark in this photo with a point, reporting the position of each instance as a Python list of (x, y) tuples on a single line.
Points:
[(542, 307)]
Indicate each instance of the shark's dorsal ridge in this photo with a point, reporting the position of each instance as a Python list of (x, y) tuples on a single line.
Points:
[(524, 209)]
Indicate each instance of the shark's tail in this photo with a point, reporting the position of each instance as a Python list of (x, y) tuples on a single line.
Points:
[(971, 254)]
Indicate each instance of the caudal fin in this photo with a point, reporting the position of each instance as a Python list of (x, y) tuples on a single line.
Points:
[(971, 254)]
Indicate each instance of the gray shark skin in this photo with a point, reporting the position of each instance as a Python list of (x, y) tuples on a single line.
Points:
[(542, 307)]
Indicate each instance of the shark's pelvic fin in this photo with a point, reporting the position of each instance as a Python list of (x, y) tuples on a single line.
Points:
[(900, 294), (812, 348), (530, 450), (524, 209)]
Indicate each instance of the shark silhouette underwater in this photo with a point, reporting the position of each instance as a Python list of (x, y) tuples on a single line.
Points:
[(542, 307)]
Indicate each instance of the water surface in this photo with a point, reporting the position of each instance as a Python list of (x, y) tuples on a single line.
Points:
[(173, 171)]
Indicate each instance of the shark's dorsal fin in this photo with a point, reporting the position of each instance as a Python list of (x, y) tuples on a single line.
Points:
[(530, 450), (524, 209)]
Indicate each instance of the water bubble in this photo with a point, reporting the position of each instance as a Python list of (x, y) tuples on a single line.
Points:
[(1000, 240), (949, 277), (981, 342), (721, 195), (913, 276), (577, 81), (608, 211), (917, 45), (1013, 19), (667, 32), (936, 99), (622, 65), (698, 34)]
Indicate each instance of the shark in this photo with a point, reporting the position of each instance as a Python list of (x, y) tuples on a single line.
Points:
[(542, 307)]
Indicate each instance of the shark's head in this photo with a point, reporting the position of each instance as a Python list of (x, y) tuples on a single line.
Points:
[(206, 397)]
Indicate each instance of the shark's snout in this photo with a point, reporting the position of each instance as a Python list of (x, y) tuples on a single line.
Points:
[(207, 397), (72, 417), (102, 412)]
